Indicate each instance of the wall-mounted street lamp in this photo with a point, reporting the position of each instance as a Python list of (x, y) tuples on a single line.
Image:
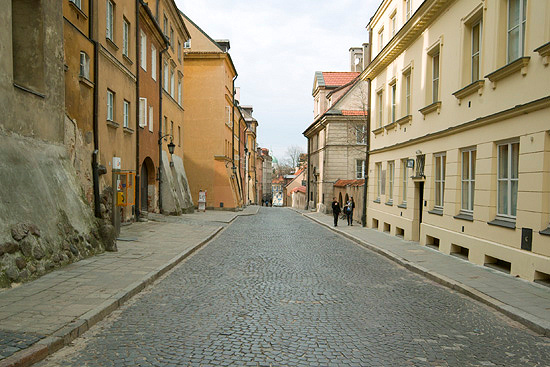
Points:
[(171, 146)]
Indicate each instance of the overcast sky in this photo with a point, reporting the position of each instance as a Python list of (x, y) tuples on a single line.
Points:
[(277, 46)]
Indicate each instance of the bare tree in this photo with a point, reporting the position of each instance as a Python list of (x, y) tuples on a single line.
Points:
[(292, 156), (281, 168)]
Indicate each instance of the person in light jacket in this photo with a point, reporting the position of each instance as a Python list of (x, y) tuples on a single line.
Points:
[(350, 206)]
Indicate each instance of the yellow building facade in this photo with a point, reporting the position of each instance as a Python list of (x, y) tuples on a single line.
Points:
[(211, 128), (460, 129)]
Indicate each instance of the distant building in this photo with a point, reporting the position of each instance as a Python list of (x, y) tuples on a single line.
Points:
[(277, 195), (267, 175)]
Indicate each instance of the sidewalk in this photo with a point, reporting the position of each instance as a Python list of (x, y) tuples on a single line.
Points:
[(40, 317), (523, 301)]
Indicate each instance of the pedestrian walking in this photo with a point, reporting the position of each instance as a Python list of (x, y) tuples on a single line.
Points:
[(335, 210), (350, 205)]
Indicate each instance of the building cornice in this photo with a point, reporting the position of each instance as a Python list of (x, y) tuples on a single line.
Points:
[(515, 111), (422, 18), (109, 56)]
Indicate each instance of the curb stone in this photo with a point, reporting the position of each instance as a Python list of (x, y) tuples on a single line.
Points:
[(62, 337), (532, 322)]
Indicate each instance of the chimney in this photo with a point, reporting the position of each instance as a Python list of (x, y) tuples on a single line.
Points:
[(366, 55), (356, 59), (238, 94), (224, 44)]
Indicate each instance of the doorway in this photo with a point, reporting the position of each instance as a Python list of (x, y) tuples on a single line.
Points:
[(420, 205), (144, 189)]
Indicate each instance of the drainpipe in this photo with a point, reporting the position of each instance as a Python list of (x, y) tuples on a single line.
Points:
[(95, 154), (367, 148), (308, 174), (137, 197), (233, 167), (161, 81), (246, 164)]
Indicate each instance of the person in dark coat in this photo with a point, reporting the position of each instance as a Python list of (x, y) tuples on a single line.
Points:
[(335, 211), (350, 205)]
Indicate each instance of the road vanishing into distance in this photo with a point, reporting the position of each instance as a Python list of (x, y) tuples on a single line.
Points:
[(277, 289)]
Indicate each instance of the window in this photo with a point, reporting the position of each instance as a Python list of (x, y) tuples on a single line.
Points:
[(142, 112), (404, 180), (408, 94), (507, 179), (516, 28), (125, 37), (393, 24), (476, 42), (179, 50), (435, 76), (228, 115), (110, 20), (440, 160), (153, 62), (179, 136), (380, 109), (179, 89), (187, 44), (360, 168), (77, 3), (110, 105), (126, 114), (361, 133), (143, 51), (165, 125), (407, 9), (381, 39), (165, 30), (166, 76), (172, 83), (379, 180), (172, 129), (172, 38), (393, 103), (151, 118), (391, 173), (468, 179), (84, 65)]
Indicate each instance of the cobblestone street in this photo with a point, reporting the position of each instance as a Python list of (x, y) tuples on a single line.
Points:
[(277, 289)]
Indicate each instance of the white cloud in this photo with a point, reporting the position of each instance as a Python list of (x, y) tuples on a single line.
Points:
[(276, 47)]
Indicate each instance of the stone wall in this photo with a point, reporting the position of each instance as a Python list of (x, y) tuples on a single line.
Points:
[(176, 198)]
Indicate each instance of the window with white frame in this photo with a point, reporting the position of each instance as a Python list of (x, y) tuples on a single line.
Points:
[(142, 112), (378, 180), (172, 83), (151, 119), (126, 114), (435, 76), (153, 62), (393, 100), (110, 20), (187, 44), (359, 168), (393, 24), (407, 9), (476, 45), (84, 65), (440, 160), (516, 28), (468, 179), (404, 181), (77, 3), (507, 179), (179, 89), (110, 105), (166, 73), (381, 39), (408, 93), (143, 50), (165, 29), (125, 37), (228, 115), (391, 174), (380, 108), (361, 133)]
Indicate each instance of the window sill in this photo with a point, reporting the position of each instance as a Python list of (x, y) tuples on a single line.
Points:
[(465, 216), (127, 59), (470, 89), (436, 211), (77, 9), (404, 120), (85, 81), (511, 68), (128, 130), (111, 43), (544, 51), (389, 203), (378, 131), (436, 106), (545, 232), (390, 126), (38, 94), (503, 223), (377, 201), (402, 206), (113, 124)]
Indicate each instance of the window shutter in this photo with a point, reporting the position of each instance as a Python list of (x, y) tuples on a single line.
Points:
[(151, 118), (142, 112)]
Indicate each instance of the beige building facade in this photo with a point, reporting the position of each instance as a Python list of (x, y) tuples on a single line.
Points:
[(460, 117)]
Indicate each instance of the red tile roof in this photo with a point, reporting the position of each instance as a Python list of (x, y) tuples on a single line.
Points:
[(299, 189), (354, 113), (344, 183), (337, 78)]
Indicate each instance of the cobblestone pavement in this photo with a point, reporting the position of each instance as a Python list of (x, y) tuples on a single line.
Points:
[(276, 289)]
